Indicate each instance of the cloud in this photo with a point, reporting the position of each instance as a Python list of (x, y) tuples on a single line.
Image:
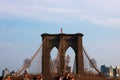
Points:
[(109, 22), (101, 12)]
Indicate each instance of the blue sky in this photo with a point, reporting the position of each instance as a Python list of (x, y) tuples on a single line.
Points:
[(23, 21)]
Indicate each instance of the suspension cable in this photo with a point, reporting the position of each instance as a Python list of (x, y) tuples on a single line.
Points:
[(92, 63), (35, 54)]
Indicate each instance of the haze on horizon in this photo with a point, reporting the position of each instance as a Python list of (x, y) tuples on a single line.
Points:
[(23, 21)]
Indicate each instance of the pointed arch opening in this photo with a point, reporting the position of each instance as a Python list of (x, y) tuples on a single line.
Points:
[(70, 60), (53, 60)]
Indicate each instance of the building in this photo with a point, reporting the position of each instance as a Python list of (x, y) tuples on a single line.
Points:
[(107, 71), (117, 71), (5, 72)]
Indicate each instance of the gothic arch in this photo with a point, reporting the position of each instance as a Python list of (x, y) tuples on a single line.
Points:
[(70, 53)]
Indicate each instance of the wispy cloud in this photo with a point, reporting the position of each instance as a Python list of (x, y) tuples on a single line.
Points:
[(102, 12)]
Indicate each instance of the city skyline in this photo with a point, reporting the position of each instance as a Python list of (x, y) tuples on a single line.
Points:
[(23, 21)]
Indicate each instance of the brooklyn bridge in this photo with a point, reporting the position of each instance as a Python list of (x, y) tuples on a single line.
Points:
[(42, 63)]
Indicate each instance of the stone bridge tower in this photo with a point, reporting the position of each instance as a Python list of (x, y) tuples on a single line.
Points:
[(62, 42)]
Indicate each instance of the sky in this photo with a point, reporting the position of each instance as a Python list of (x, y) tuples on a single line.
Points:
[(23, 21)]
